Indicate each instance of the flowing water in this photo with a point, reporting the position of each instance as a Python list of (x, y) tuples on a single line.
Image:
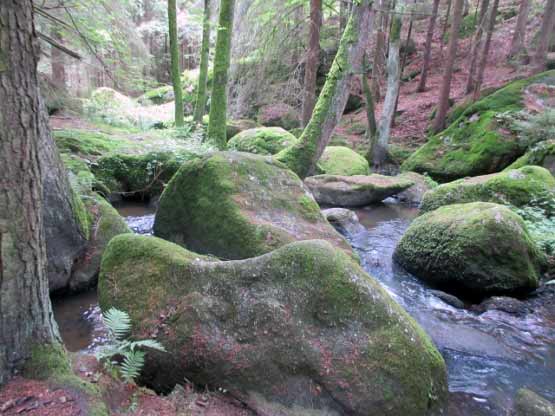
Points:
[(489, 356)]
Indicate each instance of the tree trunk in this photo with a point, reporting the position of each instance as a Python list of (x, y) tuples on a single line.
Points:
[(519, 37), (26, 317), (443, 102), (218, 108), (312, 60), (57, 61), (485, 51), (476, 46), (371, 131), (446, 23), (540, 57), (343, 15), (378, 60), (393, 81), (303, 156), (428, 48), (200, 105), (175, 72)]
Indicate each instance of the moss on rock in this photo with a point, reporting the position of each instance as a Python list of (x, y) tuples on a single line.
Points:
[(262, 140), (542, 154), (476, 143), (303, 328), (516, 187), (339, 160), (474, 249), (238, 205)]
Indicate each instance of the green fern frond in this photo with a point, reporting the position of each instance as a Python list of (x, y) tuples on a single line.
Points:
[(118, 323), (132, 365)]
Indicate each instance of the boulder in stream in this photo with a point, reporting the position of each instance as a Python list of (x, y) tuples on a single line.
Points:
[(355, 191), (516, 187), (344, 220), (474, 249), (302, 330), (262, 140), (239, 205), (528, 403)]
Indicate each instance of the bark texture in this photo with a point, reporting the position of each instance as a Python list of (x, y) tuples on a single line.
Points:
[(200, 105), (175, 72), (428, 48), (540, 57), (303, 156), (371, 131), (519, 37), (217, 133), (312, 60), (443, 102), (477, 46), (485, 50), (25, 311)]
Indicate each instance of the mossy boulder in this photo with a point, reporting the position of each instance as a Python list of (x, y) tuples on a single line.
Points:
[(479, 141), (516, 187), (474, 249), (355, 191), (528, 403), (339, 160), (106, 223), (302, 330), (238, 205), (279, 115), (421, 185), (542, 154), (262, 140)]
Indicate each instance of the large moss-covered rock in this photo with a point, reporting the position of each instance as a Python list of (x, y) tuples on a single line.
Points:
[(106, 223), (355, 191), (239, 205), (542, 154), (340, 160), (262, 140), (513, 187), (528, 403), (302, 330), (474, 249), (478, 142)]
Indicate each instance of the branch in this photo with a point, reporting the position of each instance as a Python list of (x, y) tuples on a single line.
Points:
[(59, 46)]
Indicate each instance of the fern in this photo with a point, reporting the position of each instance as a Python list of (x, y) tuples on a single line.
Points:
[(123, 354)]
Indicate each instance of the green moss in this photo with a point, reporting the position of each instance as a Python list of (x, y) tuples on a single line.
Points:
[(512, 187), (50, 362), (309, 208), (475, 143), (337, 160), (81, 214), (262, 141), (542, 154)]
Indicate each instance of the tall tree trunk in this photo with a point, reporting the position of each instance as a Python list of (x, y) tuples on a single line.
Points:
[(175, 72), (393, 81), (379, 51), (218, 107), (485, 50), (428, 48), (57, 61), (446, 23), (476, 46), (540, 57), (303, 156), (371, 131), (443, 102), (312, 60), (519, 37), (200, 105), (26, 317)]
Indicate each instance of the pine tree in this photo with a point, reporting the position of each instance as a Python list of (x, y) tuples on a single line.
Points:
[(200, 104), (175, 72), (519, 36), (312, 60), (428, 48)]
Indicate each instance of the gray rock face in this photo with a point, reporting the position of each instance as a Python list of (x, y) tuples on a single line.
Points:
[(344, 220), (414, 195), (302, 330), (528, 403), (354, 191)]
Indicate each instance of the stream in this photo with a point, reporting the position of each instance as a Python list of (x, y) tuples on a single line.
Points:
[(489, 356)]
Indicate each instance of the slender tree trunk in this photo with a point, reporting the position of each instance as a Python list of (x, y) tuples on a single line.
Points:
[(546, 29), (218, 107), (476, 46), (428, 48), (26, 317), (175, 72), (312, 60), (57, 61), (519, 37), (446, 23), (378, 60), (371, 131), (343, 15), (485, 50), (443, 102), (393, 81), (200, 105), (303, 156)]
